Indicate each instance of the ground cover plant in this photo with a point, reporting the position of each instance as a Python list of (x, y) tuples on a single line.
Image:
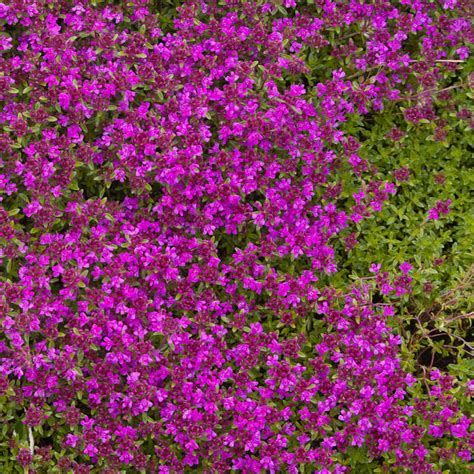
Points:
[(235, 236)]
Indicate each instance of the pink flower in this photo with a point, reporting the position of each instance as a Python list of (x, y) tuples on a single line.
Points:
[(405, 267), (72, 440), (64, 100), (90, 450), (32, 208), (375, 268)]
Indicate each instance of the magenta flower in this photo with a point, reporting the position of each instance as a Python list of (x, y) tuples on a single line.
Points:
[(405, 267)]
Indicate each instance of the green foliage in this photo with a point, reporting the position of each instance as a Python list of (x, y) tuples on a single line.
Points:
[(435, 321), (440, 251)]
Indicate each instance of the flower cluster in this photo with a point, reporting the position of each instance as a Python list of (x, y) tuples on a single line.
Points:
[(171, 196), (442, 207)]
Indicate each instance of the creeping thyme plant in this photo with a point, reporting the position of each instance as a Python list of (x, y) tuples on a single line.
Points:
[(235, 236)]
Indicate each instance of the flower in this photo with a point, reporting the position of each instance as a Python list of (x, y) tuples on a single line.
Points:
[(405, 267)]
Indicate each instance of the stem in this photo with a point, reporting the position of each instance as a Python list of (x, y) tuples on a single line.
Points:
[(457, 318), (32, 441), (434, 91), (441, 61)]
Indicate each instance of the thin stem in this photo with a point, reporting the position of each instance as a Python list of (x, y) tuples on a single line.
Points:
[(457, 318), (32, 441), (440, 61), (434, 91)]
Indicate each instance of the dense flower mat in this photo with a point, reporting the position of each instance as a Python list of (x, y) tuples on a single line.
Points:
[(182, 185)]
